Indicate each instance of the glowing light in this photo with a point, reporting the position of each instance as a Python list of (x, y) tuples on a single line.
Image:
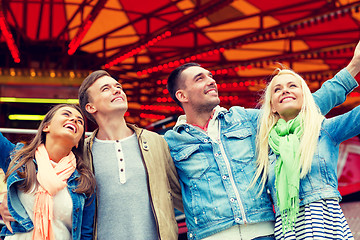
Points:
[(9, 38), (136, 50), (26, 117), (38, 100), (75, 42)]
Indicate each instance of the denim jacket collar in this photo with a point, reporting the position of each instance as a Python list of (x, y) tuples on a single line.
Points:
[(182, 119)]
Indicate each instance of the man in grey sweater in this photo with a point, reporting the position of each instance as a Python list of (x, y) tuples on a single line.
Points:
[(137, 183), (135, 174)]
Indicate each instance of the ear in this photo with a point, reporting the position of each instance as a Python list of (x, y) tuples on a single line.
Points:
[(46, 129), (90, 108), (273, 109), (181, 96)]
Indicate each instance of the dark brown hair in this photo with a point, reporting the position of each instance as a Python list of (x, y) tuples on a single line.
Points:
[(174, 83), (22, 160)]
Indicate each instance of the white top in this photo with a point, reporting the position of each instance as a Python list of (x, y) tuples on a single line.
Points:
[(62, 223)]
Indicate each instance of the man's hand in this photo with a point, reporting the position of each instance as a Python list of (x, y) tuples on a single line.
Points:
[(354, 65), (5, 214)]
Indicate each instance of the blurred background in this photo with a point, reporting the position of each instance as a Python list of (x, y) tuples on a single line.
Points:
[(47, 47)]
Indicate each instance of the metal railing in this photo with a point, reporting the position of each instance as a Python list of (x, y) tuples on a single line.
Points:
[(25, 131)]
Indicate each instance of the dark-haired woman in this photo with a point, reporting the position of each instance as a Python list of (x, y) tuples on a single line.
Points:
[(50, 188)]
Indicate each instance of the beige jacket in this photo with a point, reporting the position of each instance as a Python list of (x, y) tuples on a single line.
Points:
[(163, 184)]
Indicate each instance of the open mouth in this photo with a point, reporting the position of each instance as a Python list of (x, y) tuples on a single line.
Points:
[(71, 126), (210, 90), (117, 99), (291, 98)]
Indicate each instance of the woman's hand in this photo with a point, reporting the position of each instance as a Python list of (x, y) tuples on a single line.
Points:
[(5, 214)]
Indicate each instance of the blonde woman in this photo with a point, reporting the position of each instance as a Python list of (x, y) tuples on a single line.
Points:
[(50, 188), (301, 168)]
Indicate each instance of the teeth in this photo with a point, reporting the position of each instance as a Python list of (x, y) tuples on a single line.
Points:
[(70, 127)]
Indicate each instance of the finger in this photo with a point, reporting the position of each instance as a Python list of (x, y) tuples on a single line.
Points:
[(7, 217), (7, 224)]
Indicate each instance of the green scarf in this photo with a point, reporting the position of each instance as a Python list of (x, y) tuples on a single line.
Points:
[(284, 141)]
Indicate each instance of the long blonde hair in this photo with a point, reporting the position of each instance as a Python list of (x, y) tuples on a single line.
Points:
[(311, 118)]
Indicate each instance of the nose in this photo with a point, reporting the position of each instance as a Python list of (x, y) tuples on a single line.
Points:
[(285, 90), (211, 81), (73, 119), (115, 90)]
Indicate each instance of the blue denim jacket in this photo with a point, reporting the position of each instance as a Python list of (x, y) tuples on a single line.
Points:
[(215, 177), (83, 207), (322, 182)]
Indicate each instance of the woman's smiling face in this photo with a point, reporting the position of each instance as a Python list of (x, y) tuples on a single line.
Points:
[(287, 96)]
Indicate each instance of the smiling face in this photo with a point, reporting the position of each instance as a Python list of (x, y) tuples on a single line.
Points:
[(105, 96), (200, 92), (287, 96), (66, 123)]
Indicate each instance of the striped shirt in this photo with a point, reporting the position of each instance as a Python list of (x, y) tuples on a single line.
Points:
[(321, 219)]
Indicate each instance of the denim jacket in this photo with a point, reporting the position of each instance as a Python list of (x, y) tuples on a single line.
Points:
[(83, 206), (322, 182), (215, 176)]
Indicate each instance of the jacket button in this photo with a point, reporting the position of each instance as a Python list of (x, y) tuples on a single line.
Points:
[(77, 210), (75, 229)]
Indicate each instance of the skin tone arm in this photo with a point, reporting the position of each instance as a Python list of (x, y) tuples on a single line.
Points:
[(354, 66)]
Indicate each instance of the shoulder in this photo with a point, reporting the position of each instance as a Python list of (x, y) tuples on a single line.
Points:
[(142, 134)]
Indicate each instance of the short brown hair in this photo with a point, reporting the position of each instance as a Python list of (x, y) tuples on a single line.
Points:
[(174, 82), (83, 94)]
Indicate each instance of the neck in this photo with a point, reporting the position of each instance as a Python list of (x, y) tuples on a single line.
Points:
[(57, 149), (198, 118), (113, 128)]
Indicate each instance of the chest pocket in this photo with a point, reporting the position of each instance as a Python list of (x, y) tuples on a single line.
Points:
[(239, 145), (192, 160)]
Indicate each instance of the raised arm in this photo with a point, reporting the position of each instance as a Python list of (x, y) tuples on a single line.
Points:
[(345, 126), (333, 92)]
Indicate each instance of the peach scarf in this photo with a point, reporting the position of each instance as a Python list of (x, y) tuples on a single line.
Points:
[(52, 178)]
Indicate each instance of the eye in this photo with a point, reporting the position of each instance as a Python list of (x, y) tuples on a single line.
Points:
[(66, 114), (276, 89), (104, 89), (80, 121), (293, 85)]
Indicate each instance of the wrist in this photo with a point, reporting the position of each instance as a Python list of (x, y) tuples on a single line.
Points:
[(353, 67)]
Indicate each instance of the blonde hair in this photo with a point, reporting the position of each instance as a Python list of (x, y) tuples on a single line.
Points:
[(311, 119)]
